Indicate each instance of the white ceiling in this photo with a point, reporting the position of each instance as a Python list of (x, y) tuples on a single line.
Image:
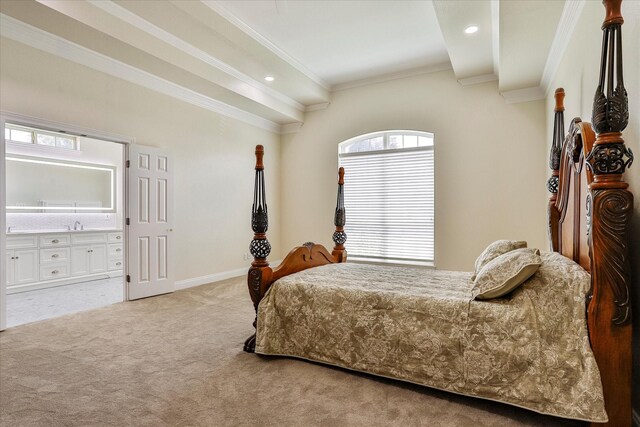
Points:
[(343, 41), (215, 54)]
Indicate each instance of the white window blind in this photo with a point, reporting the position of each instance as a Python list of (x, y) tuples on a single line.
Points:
[(390, 203)]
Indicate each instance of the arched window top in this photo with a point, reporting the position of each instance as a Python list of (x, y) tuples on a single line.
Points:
[(386, 140)]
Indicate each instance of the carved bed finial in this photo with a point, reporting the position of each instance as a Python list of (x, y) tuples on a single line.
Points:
[(556, 146), (559, 97), (553, 214), (610, 103), (340, 218)]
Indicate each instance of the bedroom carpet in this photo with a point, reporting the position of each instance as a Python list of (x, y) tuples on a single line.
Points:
[(177, 360)]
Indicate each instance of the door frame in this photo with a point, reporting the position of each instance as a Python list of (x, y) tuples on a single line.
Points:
[(21, 119)]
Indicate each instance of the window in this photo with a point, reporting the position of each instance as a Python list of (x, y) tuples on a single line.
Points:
[(25, 135), (389, 196)]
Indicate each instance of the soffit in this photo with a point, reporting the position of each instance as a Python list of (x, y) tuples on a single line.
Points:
[(471, 54), (527, 30)]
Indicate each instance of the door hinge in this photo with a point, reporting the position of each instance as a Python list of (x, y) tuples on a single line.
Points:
[(128, 163), (128, 278), (127, 221)]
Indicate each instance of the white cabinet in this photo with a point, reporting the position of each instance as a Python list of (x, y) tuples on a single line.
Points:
[(116, 237), (22, 266), (54, 240), (98, 259), (115, 252), (22, 260), (36, 261), (20, 242), (88, 259), (54, 271)]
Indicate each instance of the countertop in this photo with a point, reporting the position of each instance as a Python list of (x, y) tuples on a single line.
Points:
[(63, 231)]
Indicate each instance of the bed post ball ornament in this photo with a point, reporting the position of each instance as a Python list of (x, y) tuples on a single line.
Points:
[(339, 237), (260, 248)]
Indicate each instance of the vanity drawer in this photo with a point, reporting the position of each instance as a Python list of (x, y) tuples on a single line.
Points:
[(17, 242), (88, 238), (116, 264), (53, 240), (54, 271), (49, 256), (115, 250), (116, 237)]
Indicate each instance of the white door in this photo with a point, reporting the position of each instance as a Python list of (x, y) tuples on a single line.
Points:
[(98, 258), (26, 266), (150, 222)]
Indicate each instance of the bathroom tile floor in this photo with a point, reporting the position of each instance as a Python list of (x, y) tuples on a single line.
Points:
[(31, 306)]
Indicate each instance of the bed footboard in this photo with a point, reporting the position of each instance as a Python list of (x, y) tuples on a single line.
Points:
[(261, 276)]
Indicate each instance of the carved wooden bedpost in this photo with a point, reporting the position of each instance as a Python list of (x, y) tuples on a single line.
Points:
[(339, 236), (554, 164), (609, 206), (260, 272)]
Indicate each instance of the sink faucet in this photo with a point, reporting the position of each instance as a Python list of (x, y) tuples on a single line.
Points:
[(9, 229), (76, 224)]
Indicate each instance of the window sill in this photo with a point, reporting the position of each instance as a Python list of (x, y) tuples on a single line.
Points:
[(397, 263)]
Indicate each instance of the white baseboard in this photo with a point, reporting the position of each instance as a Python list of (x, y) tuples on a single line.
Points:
[(215, 277), (16, 289), (636, 419)]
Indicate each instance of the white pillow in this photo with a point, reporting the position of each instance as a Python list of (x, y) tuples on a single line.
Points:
[(506, 272), (494, 250)]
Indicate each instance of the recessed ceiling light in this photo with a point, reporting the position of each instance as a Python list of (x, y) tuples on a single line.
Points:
[(269, 78), (471, 29)]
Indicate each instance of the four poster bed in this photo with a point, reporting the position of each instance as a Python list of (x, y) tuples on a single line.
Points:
[(534, 346)]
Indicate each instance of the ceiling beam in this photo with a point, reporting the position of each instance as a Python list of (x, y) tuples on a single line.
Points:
[(17, 30)]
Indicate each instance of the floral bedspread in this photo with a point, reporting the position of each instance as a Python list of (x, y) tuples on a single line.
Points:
[(528, 349)]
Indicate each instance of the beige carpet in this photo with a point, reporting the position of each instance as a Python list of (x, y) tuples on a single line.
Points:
[(177, 360)]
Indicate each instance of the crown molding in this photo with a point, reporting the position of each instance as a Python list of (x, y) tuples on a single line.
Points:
[(58, 46), (316, 107), (524, 95), (268, 44), (392, 76), (478, 79), (290, 128), (136, 21), (568, 20)]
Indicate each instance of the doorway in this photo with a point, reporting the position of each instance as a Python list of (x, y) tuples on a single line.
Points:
[(63, 221)]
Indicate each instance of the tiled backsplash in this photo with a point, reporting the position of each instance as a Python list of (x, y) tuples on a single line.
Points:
[(51, 221)]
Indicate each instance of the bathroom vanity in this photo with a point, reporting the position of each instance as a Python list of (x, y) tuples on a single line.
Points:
[(45, 258)]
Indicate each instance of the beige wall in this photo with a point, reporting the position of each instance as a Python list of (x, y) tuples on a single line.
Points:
[(578, 75), (213, 154), (490, 162)]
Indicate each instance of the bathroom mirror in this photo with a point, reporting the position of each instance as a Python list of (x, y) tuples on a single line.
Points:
[(49, 185)]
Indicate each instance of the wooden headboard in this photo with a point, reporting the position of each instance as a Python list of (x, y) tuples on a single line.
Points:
[(590, 211), (569, 184)]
